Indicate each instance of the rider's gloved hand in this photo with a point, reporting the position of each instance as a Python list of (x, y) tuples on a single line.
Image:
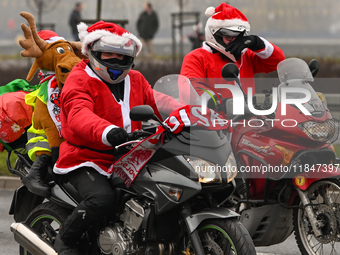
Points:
[(140, 134), (252, 42), (214, 103), (117, 136)]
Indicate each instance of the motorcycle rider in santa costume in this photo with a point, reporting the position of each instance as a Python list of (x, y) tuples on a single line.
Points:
[(95, 102), (228, 41)]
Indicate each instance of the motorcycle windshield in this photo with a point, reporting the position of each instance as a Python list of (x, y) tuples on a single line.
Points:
[(174, 91), (294, 73), (294, 68)]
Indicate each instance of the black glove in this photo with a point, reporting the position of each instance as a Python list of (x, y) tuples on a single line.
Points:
[(252, 42), (217, 107), (140, 134), (117, 136)]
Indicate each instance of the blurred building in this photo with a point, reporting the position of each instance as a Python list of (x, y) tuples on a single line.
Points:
[(286, 20), (277, 18)]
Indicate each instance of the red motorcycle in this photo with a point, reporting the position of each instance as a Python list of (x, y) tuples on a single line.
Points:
[(288, 169)]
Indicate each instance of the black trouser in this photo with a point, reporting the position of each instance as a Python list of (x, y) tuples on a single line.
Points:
[(98, 202)]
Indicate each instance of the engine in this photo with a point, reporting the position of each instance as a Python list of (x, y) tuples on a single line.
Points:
[(117, 239)]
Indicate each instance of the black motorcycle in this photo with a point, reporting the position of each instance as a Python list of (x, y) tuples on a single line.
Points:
[(171, 207)]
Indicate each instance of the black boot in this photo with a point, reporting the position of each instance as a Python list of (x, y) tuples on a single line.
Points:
[(34, 180), (62, 249)]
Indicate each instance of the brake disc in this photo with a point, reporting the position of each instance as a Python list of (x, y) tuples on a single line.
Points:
[(211, 247), (326, 215)]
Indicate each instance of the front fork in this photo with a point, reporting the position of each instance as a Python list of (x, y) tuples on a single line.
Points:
[(193, 235), (315, 223), (193, 220)]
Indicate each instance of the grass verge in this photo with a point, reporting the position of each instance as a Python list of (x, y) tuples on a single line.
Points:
[(3, 164)]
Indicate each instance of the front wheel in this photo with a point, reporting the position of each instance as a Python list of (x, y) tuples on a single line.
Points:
[(324, 198), (219, 237)]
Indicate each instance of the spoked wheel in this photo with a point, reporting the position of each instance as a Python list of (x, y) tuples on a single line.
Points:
[(45, 220), (325, 199), (220, 237)]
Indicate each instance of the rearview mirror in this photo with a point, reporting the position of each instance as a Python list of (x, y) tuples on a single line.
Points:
[(230, 72), (141, 113), (314, 67)]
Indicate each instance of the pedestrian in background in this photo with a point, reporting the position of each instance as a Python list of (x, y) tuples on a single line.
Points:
[(147, 26), (197, 36), (75, 19)]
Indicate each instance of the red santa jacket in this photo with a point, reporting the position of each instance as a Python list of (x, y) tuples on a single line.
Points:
[(203, 63), (89, 111)]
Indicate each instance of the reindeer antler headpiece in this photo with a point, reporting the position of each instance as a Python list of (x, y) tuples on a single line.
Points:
[(52, 54), (33, 45)]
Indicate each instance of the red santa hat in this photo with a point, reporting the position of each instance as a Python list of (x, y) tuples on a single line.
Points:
[(227, 16), (50, 36), (105, 31)]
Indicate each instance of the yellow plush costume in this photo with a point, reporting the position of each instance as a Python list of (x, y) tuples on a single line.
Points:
[(37, 141), (55, 57)]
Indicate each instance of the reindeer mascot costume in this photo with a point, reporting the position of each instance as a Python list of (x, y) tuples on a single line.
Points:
[(55, 57)]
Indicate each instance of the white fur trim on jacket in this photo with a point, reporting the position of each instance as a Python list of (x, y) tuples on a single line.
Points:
[(104, 134), (206, 47), (88, 38), (58, 170), (267, 51)]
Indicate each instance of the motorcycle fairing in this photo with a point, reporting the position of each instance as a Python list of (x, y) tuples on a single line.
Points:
[(268, 224), (150, 177), (23, 203)]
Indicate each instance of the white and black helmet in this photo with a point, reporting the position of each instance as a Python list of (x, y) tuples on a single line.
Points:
[(109, 37), (224, 20), (112, 70)]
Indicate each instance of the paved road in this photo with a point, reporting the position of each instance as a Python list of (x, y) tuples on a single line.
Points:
[(7, 244), (9, 247)]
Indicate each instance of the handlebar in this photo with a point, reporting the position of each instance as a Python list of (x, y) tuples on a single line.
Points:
[(135, 135), (134, 138)]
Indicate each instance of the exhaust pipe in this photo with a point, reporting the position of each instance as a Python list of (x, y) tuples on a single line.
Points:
[(30, 240)]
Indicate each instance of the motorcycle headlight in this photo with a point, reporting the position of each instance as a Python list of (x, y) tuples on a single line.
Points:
[(231, 167), (326, 131), (173, 192), (207, 171)]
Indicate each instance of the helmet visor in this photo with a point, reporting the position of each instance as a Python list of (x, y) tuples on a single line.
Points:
[(128, 49), (115, 63), (227, 32)]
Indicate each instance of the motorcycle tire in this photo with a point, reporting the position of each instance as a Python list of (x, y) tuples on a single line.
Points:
[(46, 212), (219, 237), (329, 242)]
